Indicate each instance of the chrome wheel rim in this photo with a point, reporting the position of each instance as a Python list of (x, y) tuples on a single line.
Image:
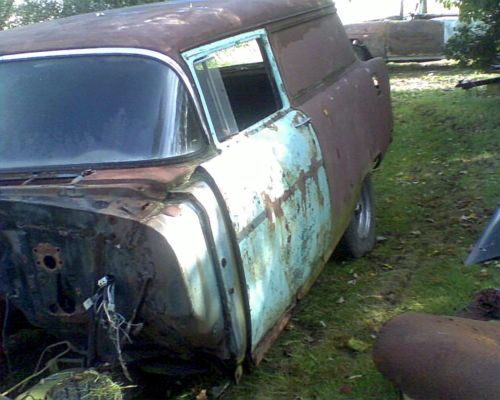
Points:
[(363, 214)]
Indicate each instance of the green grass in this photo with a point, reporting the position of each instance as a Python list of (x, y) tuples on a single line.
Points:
[(436, 189)]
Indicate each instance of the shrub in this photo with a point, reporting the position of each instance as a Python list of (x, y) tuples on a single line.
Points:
[(477, 40)]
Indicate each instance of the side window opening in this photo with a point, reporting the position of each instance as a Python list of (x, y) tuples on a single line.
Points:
[(238, 87), (216, 97)]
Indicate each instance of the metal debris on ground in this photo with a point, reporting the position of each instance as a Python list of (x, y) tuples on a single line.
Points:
[(420, 355), (467, 84)]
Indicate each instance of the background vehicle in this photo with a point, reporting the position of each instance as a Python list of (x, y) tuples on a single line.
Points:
[(414, 35)]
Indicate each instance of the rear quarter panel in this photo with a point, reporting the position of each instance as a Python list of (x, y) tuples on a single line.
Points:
[(353, 121)]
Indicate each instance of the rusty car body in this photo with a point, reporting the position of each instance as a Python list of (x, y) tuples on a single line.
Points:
[(174, 176), (418, 38)]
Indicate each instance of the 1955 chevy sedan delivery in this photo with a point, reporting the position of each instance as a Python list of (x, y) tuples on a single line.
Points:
[(173, 177)]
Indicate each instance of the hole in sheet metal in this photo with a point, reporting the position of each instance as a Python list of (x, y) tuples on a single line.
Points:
[(48, 256), (49, 262)]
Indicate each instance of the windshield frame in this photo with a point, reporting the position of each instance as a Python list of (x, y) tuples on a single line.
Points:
[(118, 51)]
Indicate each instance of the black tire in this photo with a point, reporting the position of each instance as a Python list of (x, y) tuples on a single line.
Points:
[(359, 237)]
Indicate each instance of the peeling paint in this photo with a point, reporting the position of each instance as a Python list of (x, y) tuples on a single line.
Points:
[(210, 254), (281, 237)]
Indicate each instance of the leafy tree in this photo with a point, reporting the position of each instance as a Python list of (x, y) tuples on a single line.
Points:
[(74, 7), (477, 41), (32, 11), (473, 9), (6, 11)]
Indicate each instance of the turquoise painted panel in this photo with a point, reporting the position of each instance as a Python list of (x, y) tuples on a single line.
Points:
[(273, 182), (276, 191)]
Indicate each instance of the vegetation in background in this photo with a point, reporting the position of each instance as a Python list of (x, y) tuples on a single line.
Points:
[(32, 11), (6, 11), (477, 41)]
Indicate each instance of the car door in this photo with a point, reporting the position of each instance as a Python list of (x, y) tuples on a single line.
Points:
[(269, 172)]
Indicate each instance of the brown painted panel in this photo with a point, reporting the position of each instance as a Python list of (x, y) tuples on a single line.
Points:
[(353, 123), (310, 52), (167, 27), (415, 38), (352, 118)]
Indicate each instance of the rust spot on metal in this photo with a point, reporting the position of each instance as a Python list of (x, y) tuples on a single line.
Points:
[(298, 119), (153, 179), (270, 338), (48, 257), (302, 185), (172, 211), (275, 207)]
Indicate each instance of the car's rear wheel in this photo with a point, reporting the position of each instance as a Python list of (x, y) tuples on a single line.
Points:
[(359, 237)]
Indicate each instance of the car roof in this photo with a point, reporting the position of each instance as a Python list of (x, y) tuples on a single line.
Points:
[(168, 27)]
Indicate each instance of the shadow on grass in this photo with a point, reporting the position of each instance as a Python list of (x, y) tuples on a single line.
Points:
[(435, 190), (412, 67)]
